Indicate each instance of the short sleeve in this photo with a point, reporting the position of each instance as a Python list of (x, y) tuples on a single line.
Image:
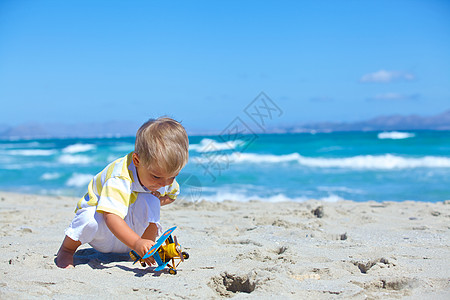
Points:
[(115, 197), (173, 190)]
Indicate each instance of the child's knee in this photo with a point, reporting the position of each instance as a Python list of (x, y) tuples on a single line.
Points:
[(83, 227), (91, 226)]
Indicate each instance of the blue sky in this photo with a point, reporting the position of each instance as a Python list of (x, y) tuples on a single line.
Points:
[(203, 62)]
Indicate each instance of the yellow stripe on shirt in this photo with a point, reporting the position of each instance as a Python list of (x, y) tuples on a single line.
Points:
[(133, 197), (125, 167), (116, 194), (98, 182), (110, 170)]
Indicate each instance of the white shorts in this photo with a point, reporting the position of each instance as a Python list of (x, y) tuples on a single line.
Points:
[(88, 226)]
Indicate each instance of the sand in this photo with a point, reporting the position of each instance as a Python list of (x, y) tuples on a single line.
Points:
[(309, 250)]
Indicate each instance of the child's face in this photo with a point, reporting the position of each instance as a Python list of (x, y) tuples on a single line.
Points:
[(152, 179)]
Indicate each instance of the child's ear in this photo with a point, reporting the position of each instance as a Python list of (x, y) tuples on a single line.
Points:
[(136, 159)]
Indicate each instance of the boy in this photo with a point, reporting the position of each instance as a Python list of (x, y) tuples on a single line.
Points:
[(121, 209)]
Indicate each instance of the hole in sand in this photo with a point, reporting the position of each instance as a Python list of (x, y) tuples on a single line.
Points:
[(237, 284), (365, 266), (229, 284)]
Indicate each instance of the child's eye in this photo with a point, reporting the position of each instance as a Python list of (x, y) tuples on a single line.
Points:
[(156, 177)]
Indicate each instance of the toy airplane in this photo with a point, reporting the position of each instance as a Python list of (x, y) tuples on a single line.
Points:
[(163, 254)]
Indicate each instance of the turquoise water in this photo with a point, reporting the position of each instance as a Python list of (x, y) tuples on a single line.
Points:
[(359, 166)]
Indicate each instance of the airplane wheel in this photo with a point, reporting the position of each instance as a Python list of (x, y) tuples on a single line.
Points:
[(185, 255), (172, 271)]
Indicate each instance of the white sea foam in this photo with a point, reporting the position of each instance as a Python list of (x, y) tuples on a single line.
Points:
[(78, 180), (50, 176), (343, 189), (32, 152), (21, 166), (279, 197), (331, 198), (74, 159), (395, 135), (78, 148), (209, 145), (371, 162)]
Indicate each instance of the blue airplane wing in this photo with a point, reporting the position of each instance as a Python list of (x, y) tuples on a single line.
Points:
[(154, 249), (159, 261), (159, 268)]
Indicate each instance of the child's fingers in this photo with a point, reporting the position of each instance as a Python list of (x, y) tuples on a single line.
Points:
[(166, 200), (150, 261)]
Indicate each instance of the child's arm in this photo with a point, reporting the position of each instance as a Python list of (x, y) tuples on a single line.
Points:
[(151, 232), (130, 238)]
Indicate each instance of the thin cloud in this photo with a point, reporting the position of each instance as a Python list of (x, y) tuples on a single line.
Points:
[(384, 76), (321, 99), (394, 97)]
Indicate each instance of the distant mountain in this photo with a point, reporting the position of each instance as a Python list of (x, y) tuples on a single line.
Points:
[(382, 123), (3, 127), (60, 130)]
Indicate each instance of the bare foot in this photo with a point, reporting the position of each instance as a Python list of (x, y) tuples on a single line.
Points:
[(64, 257)]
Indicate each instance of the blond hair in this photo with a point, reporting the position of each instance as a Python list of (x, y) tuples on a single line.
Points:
[(162, 144)]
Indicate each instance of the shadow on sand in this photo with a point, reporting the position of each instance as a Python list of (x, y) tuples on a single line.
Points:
[(99, 260)]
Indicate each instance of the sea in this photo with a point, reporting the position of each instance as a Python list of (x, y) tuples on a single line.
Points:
[(358, 166)]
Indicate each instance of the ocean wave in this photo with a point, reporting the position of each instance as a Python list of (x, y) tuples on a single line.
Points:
[(78, 148), (27, 165), (78, 180), (279, 197), (330, 149), (50, 176), (371, 162), (19, 145), (32, 152), (209, 145), (395, 135), (74, 159), (342, 189)]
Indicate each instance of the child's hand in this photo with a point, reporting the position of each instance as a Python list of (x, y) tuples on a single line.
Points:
[(141, 247), (163, 199)]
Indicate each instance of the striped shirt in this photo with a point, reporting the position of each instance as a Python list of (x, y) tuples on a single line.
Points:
[(117, 187)]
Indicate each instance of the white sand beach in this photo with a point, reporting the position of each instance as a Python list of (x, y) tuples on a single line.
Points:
[(309, 250)]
